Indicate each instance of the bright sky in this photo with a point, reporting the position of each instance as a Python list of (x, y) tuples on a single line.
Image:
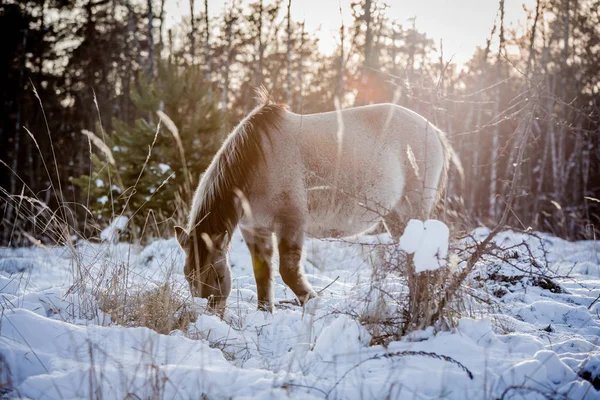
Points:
[(462, 24)]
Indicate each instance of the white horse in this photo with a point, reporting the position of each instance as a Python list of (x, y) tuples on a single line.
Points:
[(330, 174)]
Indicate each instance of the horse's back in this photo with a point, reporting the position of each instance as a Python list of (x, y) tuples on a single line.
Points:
[(342, 171)]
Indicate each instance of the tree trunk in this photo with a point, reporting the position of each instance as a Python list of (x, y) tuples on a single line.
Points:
[(395, 37), (299, 99), (150, 40), (192, 33), (362, 97), (410, 63), (258, 78), (474, 144), (441, 78), (160, 28), (549, 151), (229, 20), (560, 188), (289, 54), (368, 36), (496, 132), (16, 143), (339, 93), (170, 36), (208, 69), (531, 57), (514, 148), (378, 35)]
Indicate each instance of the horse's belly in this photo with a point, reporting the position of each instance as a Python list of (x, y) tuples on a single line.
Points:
[(353, 197), (320, 226), (341, 217)]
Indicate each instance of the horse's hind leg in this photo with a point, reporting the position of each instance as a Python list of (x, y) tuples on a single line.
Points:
[(416, 203), (260, 244), (290, 267)]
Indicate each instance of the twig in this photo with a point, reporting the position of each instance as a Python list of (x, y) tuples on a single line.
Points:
[(404, 354), (332, 282), (593, 302)]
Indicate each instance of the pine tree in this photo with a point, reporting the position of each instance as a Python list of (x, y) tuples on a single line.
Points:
[(147, 177)]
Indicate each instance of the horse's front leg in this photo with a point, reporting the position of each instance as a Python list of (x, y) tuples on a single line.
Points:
[(290, 267), (260, 244)]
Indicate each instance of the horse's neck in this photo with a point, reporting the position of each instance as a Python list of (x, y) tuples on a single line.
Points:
[(216, 223)]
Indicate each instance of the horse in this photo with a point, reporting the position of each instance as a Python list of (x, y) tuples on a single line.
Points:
[(285, 175)]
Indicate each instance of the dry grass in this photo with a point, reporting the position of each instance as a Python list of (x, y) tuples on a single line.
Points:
[(5, 377), (415, 308), (161, 309), (99, 284), (436, 299)]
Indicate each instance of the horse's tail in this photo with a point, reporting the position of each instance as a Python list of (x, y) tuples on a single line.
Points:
[(234, 168), (450, 156)]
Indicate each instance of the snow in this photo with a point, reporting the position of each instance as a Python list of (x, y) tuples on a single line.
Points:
[(428, 241), (531, 341), (164, 168), (412, 237), (111, 233)]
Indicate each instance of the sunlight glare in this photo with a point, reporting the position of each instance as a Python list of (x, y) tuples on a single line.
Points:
[(462, 25)]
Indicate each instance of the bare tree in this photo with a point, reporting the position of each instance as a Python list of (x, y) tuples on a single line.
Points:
[(442, 68), (161, 17), (289, 54), (474, 148), (261, 48), (361, 98), (18, 128), (339, 93), (493, 207), (150, 40), (300, 73), (207, 60), (396, 30), (528, 80), (530, 59), (192, 32), (559, 187), (368, 36), (410, 63), (549, 137), (230, 20)]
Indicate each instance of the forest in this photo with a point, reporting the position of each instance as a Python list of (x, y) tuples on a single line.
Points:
[(84, 83), (112, 111)]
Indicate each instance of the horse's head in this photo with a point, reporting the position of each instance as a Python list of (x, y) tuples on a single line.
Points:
[(206, 267)]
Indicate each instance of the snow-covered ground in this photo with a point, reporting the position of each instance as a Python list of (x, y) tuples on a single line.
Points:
[(531, 338)]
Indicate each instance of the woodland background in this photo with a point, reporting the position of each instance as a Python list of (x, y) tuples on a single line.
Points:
[(84, 85)]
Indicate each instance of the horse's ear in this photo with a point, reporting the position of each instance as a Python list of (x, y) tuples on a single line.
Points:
[(182, 236)]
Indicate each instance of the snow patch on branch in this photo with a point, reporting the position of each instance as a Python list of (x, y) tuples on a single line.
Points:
[(428, 241)]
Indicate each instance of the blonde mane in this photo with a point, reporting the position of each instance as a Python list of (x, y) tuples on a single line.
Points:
[(213, 209)]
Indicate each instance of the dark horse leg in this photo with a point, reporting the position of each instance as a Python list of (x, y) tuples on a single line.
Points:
[(260, 244), (412, 205), (290, 267)]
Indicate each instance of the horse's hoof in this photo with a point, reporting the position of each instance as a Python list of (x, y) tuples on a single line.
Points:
[(267, 307), (310, 295)]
